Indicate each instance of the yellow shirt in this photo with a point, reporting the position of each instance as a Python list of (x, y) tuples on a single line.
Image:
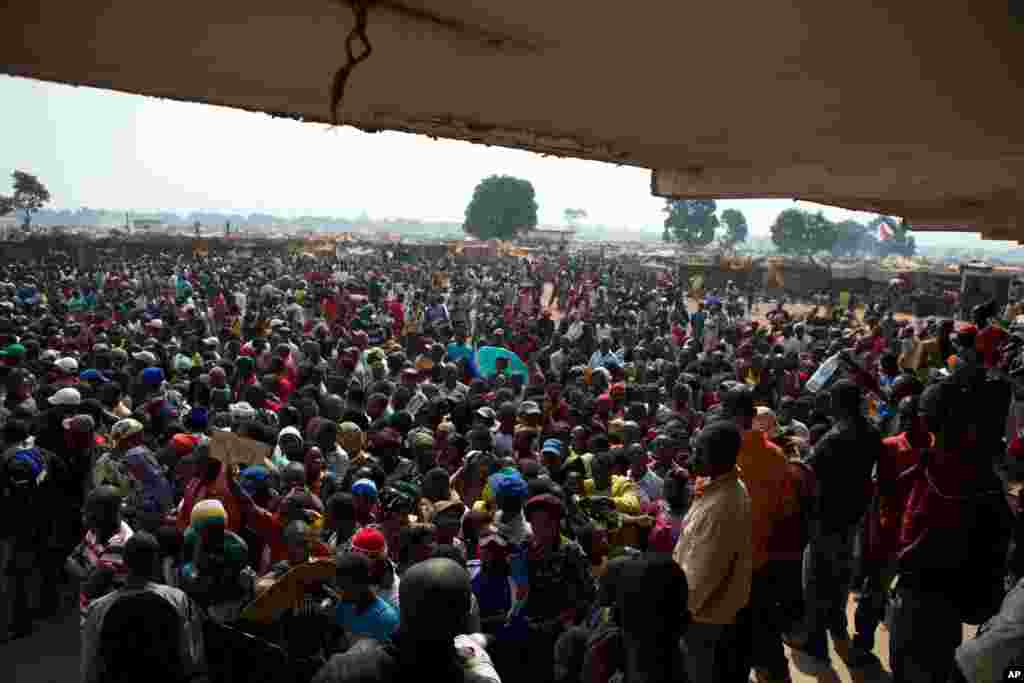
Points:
[(623, 493)]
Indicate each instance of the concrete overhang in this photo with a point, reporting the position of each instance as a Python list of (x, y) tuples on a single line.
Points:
[(907, 108)]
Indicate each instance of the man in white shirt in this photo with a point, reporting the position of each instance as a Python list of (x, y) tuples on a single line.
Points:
[(560, 358), (575, 330)]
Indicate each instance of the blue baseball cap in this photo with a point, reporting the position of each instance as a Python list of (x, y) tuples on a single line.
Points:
[(365, 487), (93, 375), (552, 446), (254, 478), (506, 485), (153, 376), (198, 418)]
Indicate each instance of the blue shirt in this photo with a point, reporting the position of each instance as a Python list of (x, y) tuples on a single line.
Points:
[(379, 621), (493, 593)]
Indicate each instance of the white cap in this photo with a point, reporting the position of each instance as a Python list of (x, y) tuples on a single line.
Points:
[(68, 365), (242, 410), (66, 397), (765, 420), (146, 357)]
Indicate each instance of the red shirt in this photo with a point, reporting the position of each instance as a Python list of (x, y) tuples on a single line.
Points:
[(678, 334), (329, 308), (989, 342), (218, 489)]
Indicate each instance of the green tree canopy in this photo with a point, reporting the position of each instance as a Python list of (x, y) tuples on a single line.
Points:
[(736, 229), (501, 207), (802, 233), (29, 196), (691, 222)]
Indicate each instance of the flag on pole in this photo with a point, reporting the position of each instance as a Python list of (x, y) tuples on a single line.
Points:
[(885, 232)]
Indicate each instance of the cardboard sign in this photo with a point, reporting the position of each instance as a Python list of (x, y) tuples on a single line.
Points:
[(232, 449), (277, 596), (918, 357)]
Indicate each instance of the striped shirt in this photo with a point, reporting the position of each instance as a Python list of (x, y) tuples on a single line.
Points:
[(97, 557)]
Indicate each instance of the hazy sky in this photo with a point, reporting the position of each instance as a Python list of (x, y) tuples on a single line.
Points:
[(107, 150)]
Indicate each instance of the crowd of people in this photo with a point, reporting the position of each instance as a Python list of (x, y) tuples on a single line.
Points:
[(457, 472)]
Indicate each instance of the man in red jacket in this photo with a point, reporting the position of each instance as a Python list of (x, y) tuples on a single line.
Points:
[(882, 526), (953, 539), (214, 481)]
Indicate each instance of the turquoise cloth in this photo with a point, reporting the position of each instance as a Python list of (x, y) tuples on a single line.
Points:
[(379, 621)]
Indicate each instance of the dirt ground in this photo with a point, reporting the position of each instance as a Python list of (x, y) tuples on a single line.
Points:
[(839, 671)]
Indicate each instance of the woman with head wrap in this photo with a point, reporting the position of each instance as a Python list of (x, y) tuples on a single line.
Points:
[(365, 500), (215, 559), (447, 521), (290, 447), (352, 439), (421, 445), (245, 375), (372, 544), (509, 491), (399, 501), (470, 479)]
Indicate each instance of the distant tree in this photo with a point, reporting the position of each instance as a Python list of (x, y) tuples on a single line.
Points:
[(900, 244), (801, 233), (501, 207), (854, 239), (29, 196), (574, 216), (736, 229), (691, 222)]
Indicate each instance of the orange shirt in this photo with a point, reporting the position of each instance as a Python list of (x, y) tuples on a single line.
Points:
[(763, 469)]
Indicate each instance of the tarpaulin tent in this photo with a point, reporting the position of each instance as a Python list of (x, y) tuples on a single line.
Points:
[(487, 361)]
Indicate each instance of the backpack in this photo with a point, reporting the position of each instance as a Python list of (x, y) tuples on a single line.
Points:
[(24, 473)]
